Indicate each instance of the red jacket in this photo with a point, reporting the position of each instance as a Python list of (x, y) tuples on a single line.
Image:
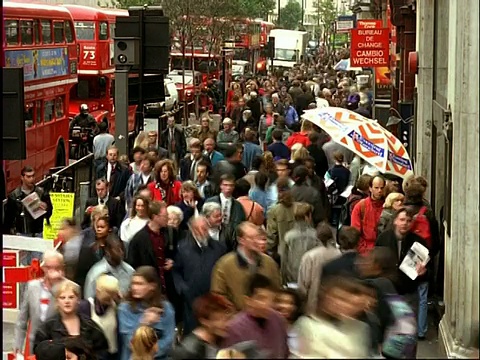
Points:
[(365, 217), (157, 194), (298, 137)]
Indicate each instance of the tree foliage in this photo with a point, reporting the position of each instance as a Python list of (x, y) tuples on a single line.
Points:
[(290, 15), (326, 14)]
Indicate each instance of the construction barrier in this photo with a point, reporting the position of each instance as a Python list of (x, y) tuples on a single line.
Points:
[(15, 274)]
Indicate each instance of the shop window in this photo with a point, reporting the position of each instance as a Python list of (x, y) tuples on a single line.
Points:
[(26, 33), (11, 32), (48, 111), (59, 32), (46, 32)]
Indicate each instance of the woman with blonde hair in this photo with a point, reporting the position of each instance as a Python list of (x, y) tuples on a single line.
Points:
[(393, 202), (144, 343), (299, 156), (102, 309), (142, 140), (68, 322), (302, 136)]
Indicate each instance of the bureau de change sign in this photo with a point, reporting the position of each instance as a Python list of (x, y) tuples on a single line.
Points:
[(369, 47)]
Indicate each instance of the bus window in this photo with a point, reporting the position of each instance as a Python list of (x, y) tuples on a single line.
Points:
[(11, 32), (112, 30), (59, 111), (82, 89), (28, 115), (48, 110), (38, 111), (103, 35), (26, 33), (59, 32), (46, 32), (36, 31), (69, 31), (85, 30)]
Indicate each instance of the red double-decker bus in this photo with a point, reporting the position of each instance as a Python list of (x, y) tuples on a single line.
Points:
[(41, 39), (244, 39), (265, 28), (95, 30)]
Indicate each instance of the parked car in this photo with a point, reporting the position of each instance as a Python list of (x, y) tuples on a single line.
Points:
[(193, 83), (170, 103)]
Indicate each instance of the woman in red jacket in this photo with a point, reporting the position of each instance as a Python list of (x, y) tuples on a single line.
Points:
[(166, 188), (301, 137)]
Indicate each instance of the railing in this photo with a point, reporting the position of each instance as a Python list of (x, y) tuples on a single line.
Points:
[(77, 178)]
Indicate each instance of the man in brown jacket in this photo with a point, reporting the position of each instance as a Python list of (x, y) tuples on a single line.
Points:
[(232, 272)]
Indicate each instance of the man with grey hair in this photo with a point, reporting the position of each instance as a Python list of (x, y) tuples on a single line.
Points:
[(194, 262), (227, 136), (39, 295), (216, 229), (277, 106)]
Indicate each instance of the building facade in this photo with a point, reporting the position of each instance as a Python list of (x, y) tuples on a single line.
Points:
[(447, 153)]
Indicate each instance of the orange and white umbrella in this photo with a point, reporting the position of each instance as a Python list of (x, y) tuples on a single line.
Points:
[(364, 137)]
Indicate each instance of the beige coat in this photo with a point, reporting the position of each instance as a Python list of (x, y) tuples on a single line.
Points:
[(310, 272), (231, 275), (280, 220)]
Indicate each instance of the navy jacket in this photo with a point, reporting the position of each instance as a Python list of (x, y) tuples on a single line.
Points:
[(279, 150), (192, 270), (188, 212)]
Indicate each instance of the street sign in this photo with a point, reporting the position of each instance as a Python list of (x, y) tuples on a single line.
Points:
[(369, 48), (369, 24), (345, 23)]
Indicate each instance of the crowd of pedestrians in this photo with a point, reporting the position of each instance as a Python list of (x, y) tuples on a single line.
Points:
[(229, 244)]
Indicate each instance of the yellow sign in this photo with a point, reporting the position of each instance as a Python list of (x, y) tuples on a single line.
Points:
[(63, 207)]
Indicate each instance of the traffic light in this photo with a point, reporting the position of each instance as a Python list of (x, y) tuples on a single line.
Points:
[(127, 51), (271, 47), (13, 139)]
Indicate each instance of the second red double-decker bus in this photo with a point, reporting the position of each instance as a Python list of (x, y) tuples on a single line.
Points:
[(244, 40), (95, 29), (41, 39)]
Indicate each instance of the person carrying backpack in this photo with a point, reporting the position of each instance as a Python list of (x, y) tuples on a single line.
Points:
[(425, 225), (359, 191)]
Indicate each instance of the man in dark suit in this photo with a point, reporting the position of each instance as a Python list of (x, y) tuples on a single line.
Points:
[(232, 211), (116, 212), (189, 164), (192, 271), (117, 174), (156, 245), (224, 234), (173, 139), (205, 187), (316, 152)]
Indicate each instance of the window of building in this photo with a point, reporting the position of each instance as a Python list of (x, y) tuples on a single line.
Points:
[(26, 32), (29, 115), (59, 108), (38, 111), (36, 32), (69, 32), (11, 32), (48, 110), (103, 35), (59, 32), (46, 32)]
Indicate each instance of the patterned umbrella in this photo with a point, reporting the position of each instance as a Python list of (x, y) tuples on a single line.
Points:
[(344, 65), (364, 137)]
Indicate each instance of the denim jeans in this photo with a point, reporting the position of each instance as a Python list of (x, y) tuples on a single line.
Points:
[(422, 322)]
